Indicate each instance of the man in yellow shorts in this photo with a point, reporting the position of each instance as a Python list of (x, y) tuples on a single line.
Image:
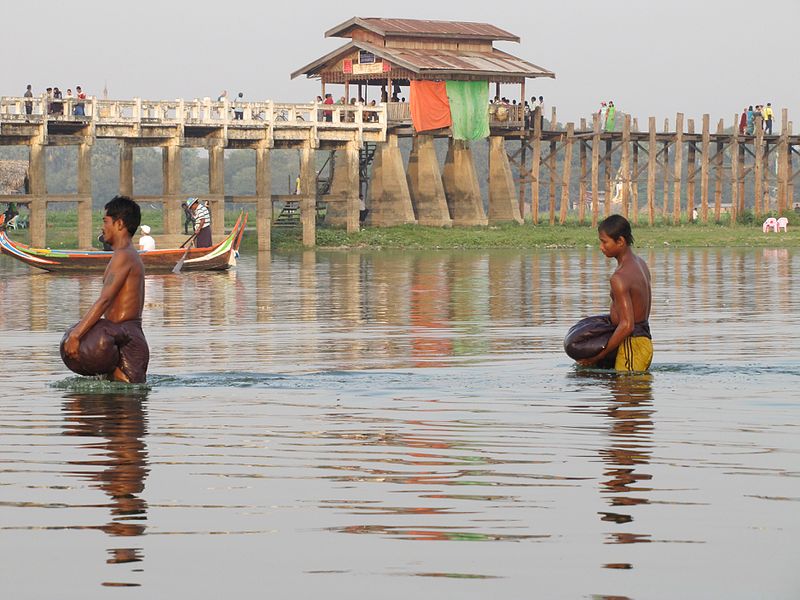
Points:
[(630, 300)]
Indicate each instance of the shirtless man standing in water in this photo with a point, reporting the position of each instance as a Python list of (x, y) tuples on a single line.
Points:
[(122, 297), (630, 300)]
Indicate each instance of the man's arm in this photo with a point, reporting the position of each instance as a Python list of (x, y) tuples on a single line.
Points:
[(112, 284), (624, 308)]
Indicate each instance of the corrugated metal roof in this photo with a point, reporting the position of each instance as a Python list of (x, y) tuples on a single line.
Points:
[(431, 62), (424, 28)]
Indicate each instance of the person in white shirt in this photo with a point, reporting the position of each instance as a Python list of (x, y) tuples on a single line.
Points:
[(202, 222), (145, 241)]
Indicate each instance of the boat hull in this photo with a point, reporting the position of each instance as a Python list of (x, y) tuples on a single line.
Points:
[(220, 257)]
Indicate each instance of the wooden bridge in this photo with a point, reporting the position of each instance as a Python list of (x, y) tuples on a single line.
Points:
[(676, 169)]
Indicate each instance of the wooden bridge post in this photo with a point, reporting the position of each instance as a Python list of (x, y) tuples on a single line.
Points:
[(536, 160), (523, 159), (595, 168), (38, 189), (125, 169), (566, 173), (171, 165), (734, 150), (216, 187), (308, 195), (552, 166), (704, 158), (635, 181), (85, 192), (263, 197), (353, 201), (651, 171), (690, 175), (789, 168), (740, 183), (783, 159), (626, 164), (665, 174), (609, 176), (718, 172), (582, 181), (678, 165), (759, 167)]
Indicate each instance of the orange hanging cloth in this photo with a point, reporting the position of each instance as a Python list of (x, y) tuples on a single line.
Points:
[(430, 108)]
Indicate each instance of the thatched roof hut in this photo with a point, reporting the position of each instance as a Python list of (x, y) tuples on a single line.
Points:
[(13, 174)]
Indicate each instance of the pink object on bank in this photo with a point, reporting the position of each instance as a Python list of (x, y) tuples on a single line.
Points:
[(781, 224), (771, 223)]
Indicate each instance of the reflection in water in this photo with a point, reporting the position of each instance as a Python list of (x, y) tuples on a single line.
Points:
[(114, 426)]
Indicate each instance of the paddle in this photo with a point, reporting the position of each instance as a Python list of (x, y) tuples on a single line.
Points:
[(179, 264)]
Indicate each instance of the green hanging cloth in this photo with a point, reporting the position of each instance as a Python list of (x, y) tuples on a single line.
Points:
[(469, 109)]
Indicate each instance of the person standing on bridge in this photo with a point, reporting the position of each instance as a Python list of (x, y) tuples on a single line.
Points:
[(202, 223), (238, 107), (28, 105), (80, 107), (768, 116)]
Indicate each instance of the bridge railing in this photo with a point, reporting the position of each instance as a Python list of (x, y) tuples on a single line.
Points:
[(199, 112)]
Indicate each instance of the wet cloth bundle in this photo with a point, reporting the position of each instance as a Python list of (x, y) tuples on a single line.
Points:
[(108, 345), (589, 336)]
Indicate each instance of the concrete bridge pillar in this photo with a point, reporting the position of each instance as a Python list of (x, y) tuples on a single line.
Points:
[(85, 192), (503, 204), (37, 184), (425, 184), (263, 198), (125, 169), (343, 209), (171, 164), (461, 186), (216, 189), (308, 195), (390, 200)]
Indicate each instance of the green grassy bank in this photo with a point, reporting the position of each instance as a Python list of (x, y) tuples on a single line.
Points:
[(62, 227)]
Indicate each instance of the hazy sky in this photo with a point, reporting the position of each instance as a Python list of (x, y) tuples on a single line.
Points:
[(651, 58)]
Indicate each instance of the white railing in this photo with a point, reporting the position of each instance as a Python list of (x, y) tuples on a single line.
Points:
[(204, 112)]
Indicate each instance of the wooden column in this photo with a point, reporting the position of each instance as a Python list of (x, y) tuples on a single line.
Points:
[(38, 190), (171, 166), (308, 196), (759, 168), (690, 172), (740, 183), (125, 169), (626, 164), (562, 218), (607, 171), (536, 160), (678, 164), (216, 188), (704, 158), (635, 183), (665, 175), (783, 159), (263, 197), (582, 183), (734, 151), (85, 191), (523, 160), (789, 169), (595, 168), (552, 168), (353, 200), (651, 170), (718, 172)]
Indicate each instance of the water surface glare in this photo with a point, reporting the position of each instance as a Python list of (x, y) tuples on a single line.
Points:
[(401, 424)]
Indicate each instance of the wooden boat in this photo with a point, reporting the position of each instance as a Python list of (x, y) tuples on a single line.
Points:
[(220, 257)]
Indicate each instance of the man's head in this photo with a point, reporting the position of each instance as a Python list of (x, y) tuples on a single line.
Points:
[(78, 88), (615, 235), (241, 94), (122, 218), (192, 203), (29, 87)]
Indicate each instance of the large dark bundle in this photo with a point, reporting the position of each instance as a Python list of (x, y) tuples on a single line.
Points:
[(588, 337), (98, 353)]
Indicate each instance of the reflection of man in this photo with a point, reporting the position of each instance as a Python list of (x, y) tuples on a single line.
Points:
[(122, 297), (630, 300), (116, 427), (202, 222)]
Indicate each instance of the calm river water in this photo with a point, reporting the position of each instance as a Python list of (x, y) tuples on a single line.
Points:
[(396, 425)]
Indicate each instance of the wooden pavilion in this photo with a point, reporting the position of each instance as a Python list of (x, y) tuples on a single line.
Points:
[(389, 53)]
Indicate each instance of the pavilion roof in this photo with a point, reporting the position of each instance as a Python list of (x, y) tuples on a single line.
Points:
[(423, 28)]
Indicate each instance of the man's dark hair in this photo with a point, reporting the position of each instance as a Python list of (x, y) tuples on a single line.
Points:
[(615, 227), (126, 210)]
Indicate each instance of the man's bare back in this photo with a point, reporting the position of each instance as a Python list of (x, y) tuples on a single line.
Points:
[(634, 277)]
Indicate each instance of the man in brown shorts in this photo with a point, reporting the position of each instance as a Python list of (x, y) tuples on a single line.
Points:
[(122, 297)]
